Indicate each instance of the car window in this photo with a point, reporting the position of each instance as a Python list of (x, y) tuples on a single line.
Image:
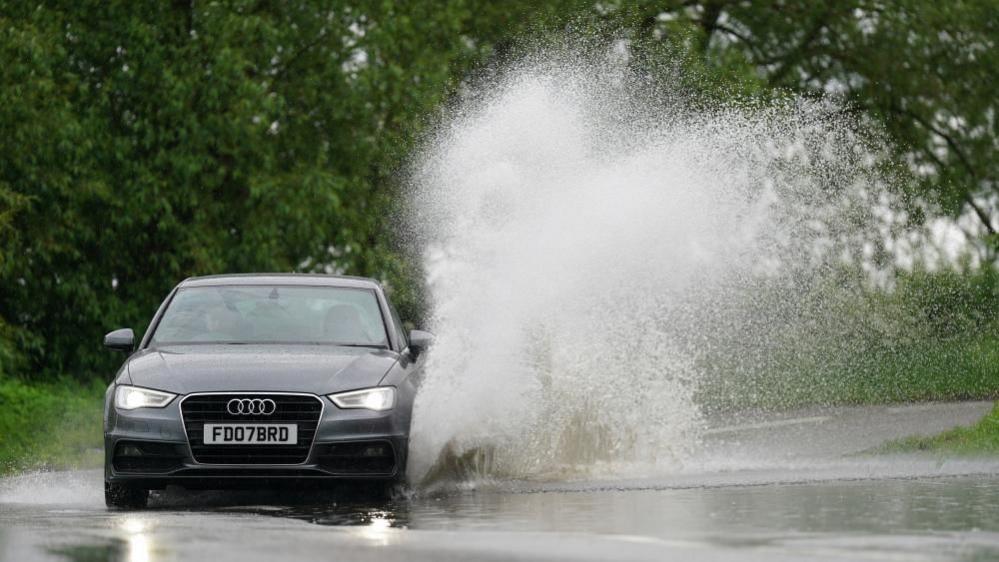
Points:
[(272, 314)]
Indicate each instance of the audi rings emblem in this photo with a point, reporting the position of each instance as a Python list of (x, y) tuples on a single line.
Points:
[(251, 406)]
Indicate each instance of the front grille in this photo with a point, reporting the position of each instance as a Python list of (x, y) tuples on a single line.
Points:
[(302, 410)]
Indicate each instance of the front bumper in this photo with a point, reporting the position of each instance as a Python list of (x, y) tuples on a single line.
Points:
[(149, 448)]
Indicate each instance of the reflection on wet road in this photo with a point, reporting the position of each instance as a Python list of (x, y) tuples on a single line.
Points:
[(788, 506)]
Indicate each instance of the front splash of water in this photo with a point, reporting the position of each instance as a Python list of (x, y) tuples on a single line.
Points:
[(580, 234)]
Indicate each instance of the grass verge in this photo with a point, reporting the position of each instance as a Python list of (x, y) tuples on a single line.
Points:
[(979, 439), (933, 337), (50, 425), (954, 369)]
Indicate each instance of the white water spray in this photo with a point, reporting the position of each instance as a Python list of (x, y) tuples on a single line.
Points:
[(583, 237)]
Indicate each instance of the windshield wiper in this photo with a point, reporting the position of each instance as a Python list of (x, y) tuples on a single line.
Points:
[(374, 345)]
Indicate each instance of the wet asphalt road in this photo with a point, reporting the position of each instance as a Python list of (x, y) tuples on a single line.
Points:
[(787, 487)]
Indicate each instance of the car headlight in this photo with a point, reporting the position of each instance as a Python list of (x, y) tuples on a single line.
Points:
[(379, 399), (132, 397)]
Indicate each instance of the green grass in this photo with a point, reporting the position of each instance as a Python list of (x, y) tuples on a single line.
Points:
[(979, 439), (965, 367), (934, 337), (50, 425)]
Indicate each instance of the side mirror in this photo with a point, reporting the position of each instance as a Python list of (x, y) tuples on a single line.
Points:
[(419, 341), (120, 340)]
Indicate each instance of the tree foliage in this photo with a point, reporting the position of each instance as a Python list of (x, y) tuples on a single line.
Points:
[(921, 70), (148, 142), (142, 143)]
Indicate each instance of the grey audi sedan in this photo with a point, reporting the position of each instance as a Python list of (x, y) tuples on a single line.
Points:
[(262, 380)]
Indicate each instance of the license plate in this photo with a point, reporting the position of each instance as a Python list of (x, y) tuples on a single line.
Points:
[(250, 433)]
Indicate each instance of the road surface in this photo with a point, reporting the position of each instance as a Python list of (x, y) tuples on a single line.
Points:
[(788, 487)]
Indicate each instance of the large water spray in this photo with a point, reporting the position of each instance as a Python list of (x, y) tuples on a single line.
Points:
[(586, 243)]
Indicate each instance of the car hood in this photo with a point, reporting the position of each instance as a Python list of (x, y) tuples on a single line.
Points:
[(184, 369)]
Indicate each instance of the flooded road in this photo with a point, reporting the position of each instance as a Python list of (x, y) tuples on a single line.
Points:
[(788, 487)]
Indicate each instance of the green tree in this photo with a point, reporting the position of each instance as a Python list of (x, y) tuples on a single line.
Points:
[(921, 70), (142, 143), (154, 141)]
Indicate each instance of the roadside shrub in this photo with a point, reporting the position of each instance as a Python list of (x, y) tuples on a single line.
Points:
[(52, 425)]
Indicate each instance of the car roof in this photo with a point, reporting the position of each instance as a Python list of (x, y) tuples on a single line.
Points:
[(314, 279)]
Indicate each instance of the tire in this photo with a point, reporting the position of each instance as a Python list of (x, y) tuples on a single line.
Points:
[(122, 497)]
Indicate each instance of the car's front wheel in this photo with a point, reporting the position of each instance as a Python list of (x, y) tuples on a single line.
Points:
[(123, 497)]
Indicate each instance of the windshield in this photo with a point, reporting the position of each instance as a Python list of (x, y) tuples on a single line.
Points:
[(272, 314)]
